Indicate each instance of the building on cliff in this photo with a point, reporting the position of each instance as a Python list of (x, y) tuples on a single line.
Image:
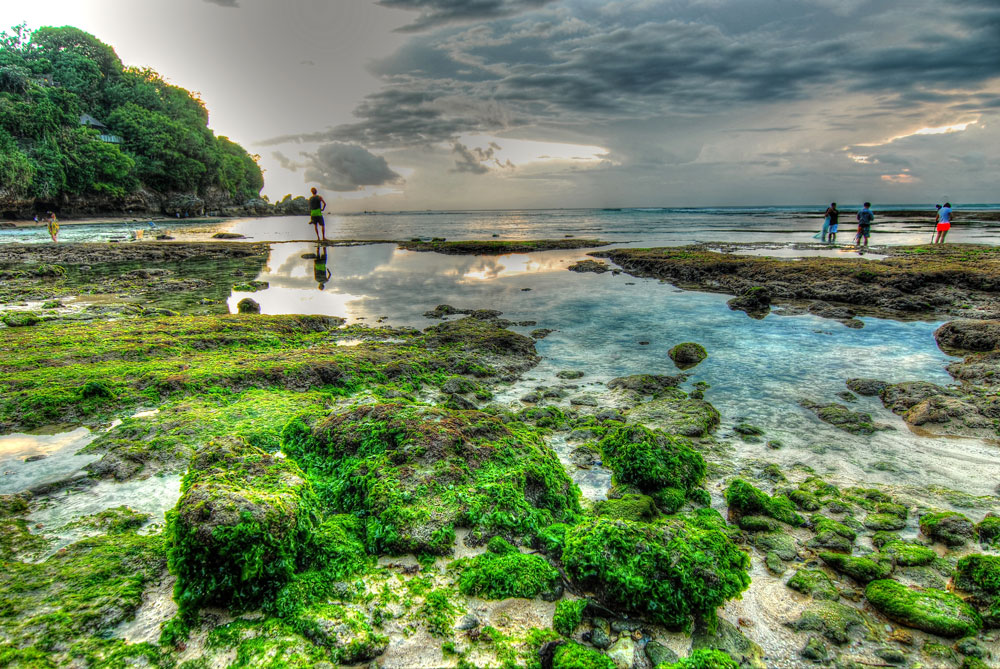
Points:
[(106, 136)]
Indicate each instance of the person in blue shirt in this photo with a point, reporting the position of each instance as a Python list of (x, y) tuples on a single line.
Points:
[(865, 218), (944, 223)]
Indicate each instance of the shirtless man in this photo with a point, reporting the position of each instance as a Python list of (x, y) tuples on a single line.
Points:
[(316, 206)]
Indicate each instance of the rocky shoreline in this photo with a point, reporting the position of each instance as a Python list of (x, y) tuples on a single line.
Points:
[(361, 495)]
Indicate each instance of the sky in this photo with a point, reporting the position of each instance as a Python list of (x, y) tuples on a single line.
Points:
[(494, 104)]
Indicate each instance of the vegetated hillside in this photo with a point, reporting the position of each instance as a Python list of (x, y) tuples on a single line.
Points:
[(80, 133)]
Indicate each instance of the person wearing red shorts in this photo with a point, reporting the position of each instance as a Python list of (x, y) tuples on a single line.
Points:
[(944, 223)]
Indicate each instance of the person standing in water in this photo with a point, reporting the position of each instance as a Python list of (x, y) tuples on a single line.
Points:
[(320, 273), (944, 223), (53, 224), (832, 219), (865, 218), (316, 206)]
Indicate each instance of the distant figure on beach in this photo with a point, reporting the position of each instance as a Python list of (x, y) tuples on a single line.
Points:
[(831, 221), (316, 206), (865, 218), (53, 224), (943, 223), (320, 273)]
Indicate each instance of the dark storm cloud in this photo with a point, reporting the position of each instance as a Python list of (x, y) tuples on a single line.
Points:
[(577, 63), (285, 161), (347, 167), (472, 160), (434, 13)]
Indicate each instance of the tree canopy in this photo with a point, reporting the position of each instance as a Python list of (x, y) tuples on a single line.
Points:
[(51, 76)]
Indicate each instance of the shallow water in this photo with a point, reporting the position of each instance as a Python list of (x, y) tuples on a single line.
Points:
[(41, 456), (613, 325)]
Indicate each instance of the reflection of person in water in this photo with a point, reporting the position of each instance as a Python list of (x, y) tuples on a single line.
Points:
[(320, 272)]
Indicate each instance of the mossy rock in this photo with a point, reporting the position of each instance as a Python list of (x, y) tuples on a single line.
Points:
[(20, 319), (704, 658), (649, 384), (822, 523), (655, 463), (805, 500), (979, 575), (687, 355), (989, 531), (503, 571), (758, 524), (781, 543), (568, 615), (571, 655), (906, 554), (835, 621), (239, 526), (416, 473), (346, 631), (930, 610), (861, 569), (745, 499), (949, 527), (882, 522), (839, 416), (681, 567), (814, 582), (682, 416), (829, 540), (628, 507), (720, 635)]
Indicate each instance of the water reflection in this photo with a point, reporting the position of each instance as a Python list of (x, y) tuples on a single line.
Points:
[(41, 456)]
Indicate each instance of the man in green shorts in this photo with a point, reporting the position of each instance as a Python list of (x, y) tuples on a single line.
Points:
[(316, 206)]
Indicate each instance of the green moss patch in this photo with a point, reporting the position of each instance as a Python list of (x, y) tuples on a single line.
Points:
[(239, 527), (504, 572), (628, 507), (948, 527), (568, 615), (814, 582), (861, 569), (414, 474), (656, 463), (906, 554), (930, 610), (979, 575), (572, 655), (745, 499), (703, 658), (668, 572)]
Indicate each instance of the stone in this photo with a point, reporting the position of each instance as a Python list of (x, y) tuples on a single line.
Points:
[(961, 336), (815, 649), (659, 654), (687, 355), (677, 415), (867, 387), (467, 622), (927, 609), (754, 301), (599, 638), (622, 652), (728, 638), (248, 306)]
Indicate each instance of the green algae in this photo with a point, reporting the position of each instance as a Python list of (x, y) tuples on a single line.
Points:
[(861, 569), (504, 572), (628, 507), (656, 463), (745, 499), (239, 527), (907, 554), (415, 473), (814, 582), (989, 531), (949, 527), (670, 571), (568, 615), (926, 609), (979, 575), (54, 609), (835, 621), (572, 655), (703, 658), (687, 355)]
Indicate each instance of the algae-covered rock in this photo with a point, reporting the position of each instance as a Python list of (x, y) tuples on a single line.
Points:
[(659, 654), (867, 387), (965, 335), (721, 635), (989, 531), (754, 301), (979, 575), (685, 416), (416, 473), (781, 544), (930, 610), (745, 499), (815, 650), (647, 384), (687, 355), (681, 567), (704, 658), (906, 554), (835, 621), (883, 522), (345, 630), (839, 416), (639, 508), (814, 582), (948, 527), (572, 655), (240, 525), (20, 319), (861, 569), (248, 306), (663, 466), (758, 524), (503, 571)]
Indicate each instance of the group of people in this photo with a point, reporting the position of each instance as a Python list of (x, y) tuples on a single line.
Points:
[(831, 222), (865, 217)]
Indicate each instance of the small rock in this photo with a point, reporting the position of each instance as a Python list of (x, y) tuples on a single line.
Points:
[(659, 654), (599, 638), (248, 306), (467, 623)]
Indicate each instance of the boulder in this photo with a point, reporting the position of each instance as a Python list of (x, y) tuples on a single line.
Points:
[(676, 415), (687, 355), (755, 301), (966, 336), (927, 609)]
